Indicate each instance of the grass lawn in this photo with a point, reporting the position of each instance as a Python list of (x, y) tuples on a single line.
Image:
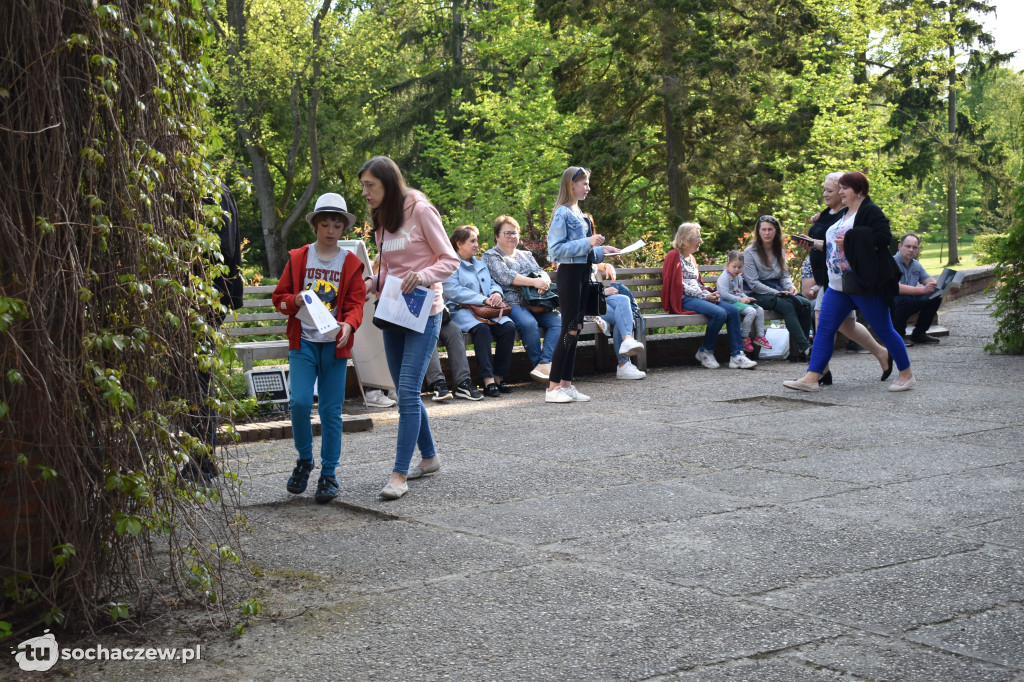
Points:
[(930, 257)]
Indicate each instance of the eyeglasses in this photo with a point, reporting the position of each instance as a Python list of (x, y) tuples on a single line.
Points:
[(577, 174), (509, 235)]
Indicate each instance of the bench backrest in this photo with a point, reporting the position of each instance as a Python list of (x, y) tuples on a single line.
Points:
[(645, 283), (257, 316)]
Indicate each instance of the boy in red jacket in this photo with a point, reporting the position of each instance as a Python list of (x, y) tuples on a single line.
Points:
[(336, 277)]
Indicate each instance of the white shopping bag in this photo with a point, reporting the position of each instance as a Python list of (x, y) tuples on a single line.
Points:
[(779, 338)]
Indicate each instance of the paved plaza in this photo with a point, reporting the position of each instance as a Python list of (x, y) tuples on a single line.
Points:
[(698, 525)]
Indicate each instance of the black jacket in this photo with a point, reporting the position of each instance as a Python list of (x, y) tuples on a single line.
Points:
[(818, 231), (867, 249)]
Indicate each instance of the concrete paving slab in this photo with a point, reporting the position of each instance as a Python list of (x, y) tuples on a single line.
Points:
[(871, 657), (946, 502), (1005, 532), (899, 598), (881, 464), (776, 669), (562, 517), (995, 635), (768, 487), (765, 549)]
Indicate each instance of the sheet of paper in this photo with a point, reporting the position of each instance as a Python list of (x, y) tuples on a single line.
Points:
[(635, 246), (408, 310), (316, 314)]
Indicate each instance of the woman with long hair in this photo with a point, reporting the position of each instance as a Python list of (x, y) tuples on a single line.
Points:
[(413, 246), (861, 273), (574, 247), (766, 276)]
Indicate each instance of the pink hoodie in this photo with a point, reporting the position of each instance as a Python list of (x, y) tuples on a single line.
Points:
[(419, 245)]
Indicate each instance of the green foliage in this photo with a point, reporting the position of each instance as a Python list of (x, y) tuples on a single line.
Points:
[(1008, 306)]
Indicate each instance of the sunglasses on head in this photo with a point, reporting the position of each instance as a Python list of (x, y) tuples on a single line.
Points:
[(768, 219)]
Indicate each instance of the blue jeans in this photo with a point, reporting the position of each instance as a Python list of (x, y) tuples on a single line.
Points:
[(718, 314), (620, 318), (835, 306), (529, 325), (408, 353), (315, 362)]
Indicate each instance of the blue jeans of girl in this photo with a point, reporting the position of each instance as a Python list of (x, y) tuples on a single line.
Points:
[(315, 363), (718, 314), (408, 353), (620, 318)]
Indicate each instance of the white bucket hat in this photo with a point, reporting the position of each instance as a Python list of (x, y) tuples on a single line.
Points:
[(331, 203)]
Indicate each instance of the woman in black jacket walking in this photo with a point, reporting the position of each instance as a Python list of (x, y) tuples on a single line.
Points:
[(861, 273)]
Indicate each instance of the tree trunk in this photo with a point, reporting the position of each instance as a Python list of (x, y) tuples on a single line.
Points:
[(951, 224), (678, 187)]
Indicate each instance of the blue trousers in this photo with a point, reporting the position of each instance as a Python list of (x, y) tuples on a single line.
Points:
[(315, 362), (408, 353), (529, 325), (718, 314), (620, 318), (835, 307)]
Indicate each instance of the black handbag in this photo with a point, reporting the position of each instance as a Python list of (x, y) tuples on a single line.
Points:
[(852, 285), (594, 300)]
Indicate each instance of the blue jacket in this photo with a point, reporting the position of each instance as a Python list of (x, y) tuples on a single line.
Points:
[(471, 283), (568, 239)]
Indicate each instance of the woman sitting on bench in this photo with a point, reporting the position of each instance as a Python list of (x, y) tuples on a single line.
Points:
[(472, 285)]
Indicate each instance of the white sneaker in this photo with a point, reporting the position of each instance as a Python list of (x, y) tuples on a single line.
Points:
[(557, 395), (707, 358), (576, 396), (629, 371), (538, 373), (377, 398), (741, 361), (630, 347)]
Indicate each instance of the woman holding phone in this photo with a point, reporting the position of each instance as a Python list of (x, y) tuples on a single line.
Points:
[(574, 247), (413, 246)]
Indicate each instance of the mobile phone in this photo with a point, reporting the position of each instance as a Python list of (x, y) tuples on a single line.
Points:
[(802, 238)]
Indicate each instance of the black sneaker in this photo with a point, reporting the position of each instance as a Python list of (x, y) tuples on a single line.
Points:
[(440, 389), (468, 391), (504, 388), (923, 338), (300, 476), (492, 390), (326, 489)]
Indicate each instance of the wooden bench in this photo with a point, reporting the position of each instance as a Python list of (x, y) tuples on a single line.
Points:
[(644, 283)]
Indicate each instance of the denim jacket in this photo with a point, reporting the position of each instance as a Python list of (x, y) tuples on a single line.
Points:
[(471, 283), (568, 239)]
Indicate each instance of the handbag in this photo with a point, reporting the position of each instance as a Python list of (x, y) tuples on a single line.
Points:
[(594, 300), (487, 313), (537, 302), (852, 286)]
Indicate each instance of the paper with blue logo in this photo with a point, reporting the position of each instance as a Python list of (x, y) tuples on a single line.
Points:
[(407, 310)]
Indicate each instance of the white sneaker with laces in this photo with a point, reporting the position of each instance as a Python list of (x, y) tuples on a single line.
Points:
[(707, 358), (557, 395), (630, 347), (377, 398), (741, 361), (576, 396), (629, 371)]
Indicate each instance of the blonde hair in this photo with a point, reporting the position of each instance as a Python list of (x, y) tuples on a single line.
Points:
[(685, 232), (565, 197)]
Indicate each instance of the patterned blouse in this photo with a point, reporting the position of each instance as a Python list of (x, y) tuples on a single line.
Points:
[(505, 268)]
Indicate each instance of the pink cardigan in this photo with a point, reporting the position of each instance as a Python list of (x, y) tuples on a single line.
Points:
[(419, 245)]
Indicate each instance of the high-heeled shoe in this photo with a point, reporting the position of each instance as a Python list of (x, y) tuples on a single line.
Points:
[(826, 378), (888, 370)]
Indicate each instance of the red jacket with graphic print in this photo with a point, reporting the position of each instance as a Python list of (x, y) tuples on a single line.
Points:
[(351, 296)]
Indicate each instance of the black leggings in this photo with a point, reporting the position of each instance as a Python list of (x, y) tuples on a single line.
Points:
[(572, 278)]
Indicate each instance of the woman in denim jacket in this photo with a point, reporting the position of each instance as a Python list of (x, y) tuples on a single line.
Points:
[(472, 284), (574, 247)]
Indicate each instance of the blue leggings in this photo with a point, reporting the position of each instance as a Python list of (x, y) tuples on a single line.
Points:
[(835, 306)]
